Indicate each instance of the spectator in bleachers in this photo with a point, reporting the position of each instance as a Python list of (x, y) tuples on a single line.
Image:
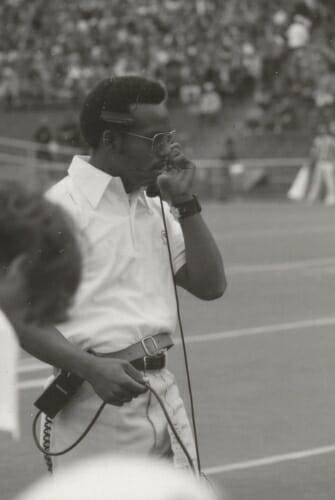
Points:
[(298, 33), (43, 136), (53, 52), (209, 105), (68, 133)]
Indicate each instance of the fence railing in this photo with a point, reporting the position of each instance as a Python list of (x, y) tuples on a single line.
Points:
[(41, 165), (31, 147)]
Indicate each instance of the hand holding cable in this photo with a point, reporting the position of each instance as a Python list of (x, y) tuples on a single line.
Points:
[(115, 381)]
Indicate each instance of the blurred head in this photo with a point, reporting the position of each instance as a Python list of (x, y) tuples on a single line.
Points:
[(40, 261), (120, 478), (119, 119)]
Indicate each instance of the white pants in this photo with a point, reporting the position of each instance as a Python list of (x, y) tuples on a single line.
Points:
[(138, 427), (323, 176)]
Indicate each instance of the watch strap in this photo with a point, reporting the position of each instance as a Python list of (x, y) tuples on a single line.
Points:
[(187, 208)]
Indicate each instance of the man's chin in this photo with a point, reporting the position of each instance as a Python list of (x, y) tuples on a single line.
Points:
[(138, 186), (144, 182)]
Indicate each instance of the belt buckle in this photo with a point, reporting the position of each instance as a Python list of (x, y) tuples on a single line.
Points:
[(146, 347)]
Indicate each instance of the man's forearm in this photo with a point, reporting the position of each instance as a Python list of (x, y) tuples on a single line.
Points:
[(204, 267), (115, 381), (50, 346)]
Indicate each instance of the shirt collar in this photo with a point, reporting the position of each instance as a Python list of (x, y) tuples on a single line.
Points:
[(142, 199), (91, 181)]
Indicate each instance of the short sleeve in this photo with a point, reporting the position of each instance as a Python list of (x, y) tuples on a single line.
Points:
[(176, 239)]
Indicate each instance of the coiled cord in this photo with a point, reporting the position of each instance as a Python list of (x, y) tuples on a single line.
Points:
[(47, 452), (45, 447), (46, 442)]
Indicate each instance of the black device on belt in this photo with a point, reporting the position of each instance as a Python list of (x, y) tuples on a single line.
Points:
[(149, 363)]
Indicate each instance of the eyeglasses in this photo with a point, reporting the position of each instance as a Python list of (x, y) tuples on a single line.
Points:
[(159, 142)]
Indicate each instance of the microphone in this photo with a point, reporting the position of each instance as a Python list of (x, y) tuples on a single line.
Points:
[(152, 190)]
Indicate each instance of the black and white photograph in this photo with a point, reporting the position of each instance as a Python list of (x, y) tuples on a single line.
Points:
[(167, 249)]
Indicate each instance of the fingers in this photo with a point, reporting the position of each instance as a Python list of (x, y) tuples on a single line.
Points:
[(136, 375), (114, 402), (117, 382), (129, 387), (177, 158), (175, 149), (120, 401), (122, 396)]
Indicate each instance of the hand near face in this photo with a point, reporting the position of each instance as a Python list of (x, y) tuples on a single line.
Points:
[(176, 182)]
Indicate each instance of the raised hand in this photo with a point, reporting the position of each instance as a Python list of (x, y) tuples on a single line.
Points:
[(176, 182)]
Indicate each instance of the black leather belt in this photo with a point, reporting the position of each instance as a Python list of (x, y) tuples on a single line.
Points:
[(148, 363), (147, 354)]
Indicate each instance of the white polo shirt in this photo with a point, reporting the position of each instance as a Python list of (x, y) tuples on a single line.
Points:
[(127, 288)]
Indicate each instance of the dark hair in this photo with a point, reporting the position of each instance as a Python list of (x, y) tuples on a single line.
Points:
[(42, 231), (116, 95)]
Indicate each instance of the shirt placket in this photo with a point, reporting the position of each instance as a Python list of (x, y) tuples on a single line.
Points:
[(132, 217)]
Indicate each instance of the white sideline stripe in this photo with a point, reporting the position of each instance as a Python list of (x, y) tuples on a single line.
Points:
[(208, 337), (28, 367), (274, 459), (258, 330), (272, 232), (280, 266), (32, 384)]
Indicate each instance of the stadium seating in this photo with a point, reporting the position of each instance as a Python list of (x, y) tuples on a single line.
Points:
[(271, 52)]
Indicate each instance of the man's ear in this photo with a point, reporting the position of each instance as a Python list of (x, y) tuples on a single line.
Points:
[(111, 139)]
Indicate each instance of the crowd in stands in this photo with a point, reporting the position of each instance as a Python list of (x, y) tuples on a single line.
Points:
[(280, 54)]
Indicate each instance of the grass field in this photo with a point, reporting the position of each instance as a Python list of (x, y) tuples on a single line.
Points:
[(262, 359)]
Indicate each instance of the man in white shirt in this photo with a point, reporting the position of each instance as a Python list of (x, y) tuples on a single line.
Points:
[(125, 311), (40, 268)]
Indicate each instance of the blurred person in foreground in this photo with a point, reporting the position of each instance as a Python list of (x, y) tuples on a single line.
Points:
[(125, 310), (109, 477), (40, 269)]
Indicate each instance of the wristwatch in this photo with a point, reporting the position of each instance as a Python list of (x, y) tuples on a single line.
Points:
[(186, 208)]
